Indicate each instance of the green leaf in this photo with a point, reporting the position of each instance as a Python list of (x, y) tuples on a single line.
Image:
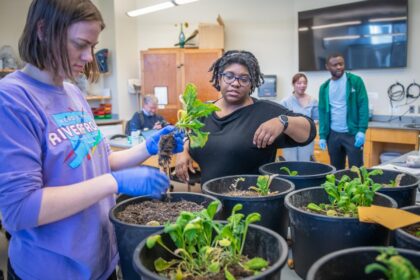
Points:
[(214, 267), (212, 208), (312, 206), (171, 227), (331, 213), (161, 264), (189, 116), (262, 181), (224, 242), (253, 217), (152, 240), (375, 267), (236, 208), (179, 275), (288, 171), (228, 275), (256, 264)]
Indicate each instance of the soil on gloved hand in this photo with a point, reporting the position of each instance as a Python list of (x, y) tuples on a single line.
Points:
[(160, 211), (166, 145)]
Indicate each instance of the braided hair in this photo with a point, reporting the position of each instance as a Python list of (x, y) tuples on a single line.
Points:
[(244, 58)]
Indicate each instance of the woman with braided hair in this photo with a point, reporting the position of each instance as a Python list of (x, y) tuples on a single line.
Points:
[(246, 132)]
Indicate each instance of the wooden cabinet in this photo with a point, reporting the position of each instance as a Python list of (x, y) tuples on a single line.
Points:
[(379, 140), (173, 69)]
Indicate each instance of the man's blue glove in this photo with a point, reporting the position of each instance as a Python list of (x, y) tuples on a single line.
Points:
[(141, 180), (359, 139), (152, 143), (322, 144)]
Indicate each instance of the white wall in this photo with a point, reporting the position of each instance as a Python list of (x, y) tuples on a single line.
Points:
[(268, 28), (12, 20)]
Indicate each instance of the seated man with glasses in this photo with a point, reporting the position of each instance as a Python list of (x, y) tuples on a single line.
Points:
[(246, 132), (146, 119)]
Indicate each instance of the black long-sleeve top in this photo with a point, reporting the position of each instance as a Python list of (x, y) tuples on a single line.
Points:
[(229, 149)]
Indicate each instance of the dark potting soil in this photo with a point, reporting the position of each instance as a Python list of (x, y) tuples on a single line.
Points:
[(247, 193), (155, 210), (338, 213), (414, 230), (237, 271)]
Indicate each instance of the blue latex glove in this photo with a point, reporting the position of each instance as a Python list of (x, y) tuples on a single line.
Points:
[(152, 144), (359, 139), (323, 144), (179, 139), (141, 180)]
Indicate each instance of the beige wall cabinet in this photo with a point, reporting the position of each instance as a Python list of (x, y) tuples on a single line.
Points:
[(173, 69)]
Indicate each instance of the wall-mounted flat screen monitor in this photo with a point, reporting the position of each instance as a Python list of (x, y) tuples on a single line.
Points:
[(369, 34)]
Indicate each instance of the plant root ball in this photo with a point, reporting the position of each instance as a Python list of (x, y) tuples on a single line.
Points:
[(166, 145)]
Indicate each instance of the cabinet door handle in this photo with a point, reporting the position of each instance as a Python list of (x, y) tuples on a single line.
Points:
[(179, 66)]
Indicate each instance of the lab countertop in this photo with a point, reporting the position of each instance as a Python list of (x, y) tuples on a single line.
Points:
[(399, 164), (113, 120), (394, 125), (120, 143)]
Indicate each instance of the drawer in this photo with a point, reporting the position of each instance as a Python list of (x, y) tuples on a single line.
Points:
[(393, 136)]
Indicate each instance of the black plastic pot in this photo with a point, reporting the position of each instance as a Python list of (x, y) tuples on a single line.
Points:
[(349, 264), (404, 195), (260, 242), (403, 239), (315, 235), (130, 235), (310, 174), (273, 213)]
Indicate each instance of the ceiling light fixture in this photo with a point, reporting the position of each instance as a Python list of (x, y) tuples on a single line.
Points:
[(346, 23), (387, 19), (346, 37), (158, 7)]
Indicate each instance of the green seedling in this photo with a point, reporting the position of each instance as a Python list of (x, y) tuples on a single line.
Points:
[(189, 117), (394, 183), (234, 185), (189, 122), (346, 195), (393, 266), (205, 247), (263, 184), (288, 171)]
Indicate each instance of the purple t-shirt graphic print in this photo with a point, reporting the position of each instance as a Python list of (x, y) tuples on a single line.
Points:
[(81, 130)]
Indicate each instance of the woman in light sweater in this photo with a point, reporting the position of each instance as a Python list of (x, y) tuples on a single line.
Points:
[(303, 103)]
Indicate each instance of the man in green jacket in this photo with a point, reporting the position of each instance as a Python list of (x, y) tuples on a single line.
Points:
[(343, 114)]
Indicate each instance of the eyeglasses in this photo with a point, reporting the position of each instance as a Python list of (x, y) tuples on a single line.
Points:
[(230, 78)]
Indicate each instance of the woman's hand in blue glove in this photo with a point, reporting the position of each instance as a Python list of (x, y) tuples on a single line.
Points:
[(141, 180), (152, 144)]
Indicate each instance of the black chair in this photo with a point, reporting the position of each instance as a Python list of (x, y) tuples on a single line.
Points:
[(195, 178)]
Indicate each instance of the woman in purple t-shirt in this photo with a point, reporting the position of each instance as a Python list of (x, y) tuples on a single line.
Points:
[(58, 177)]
